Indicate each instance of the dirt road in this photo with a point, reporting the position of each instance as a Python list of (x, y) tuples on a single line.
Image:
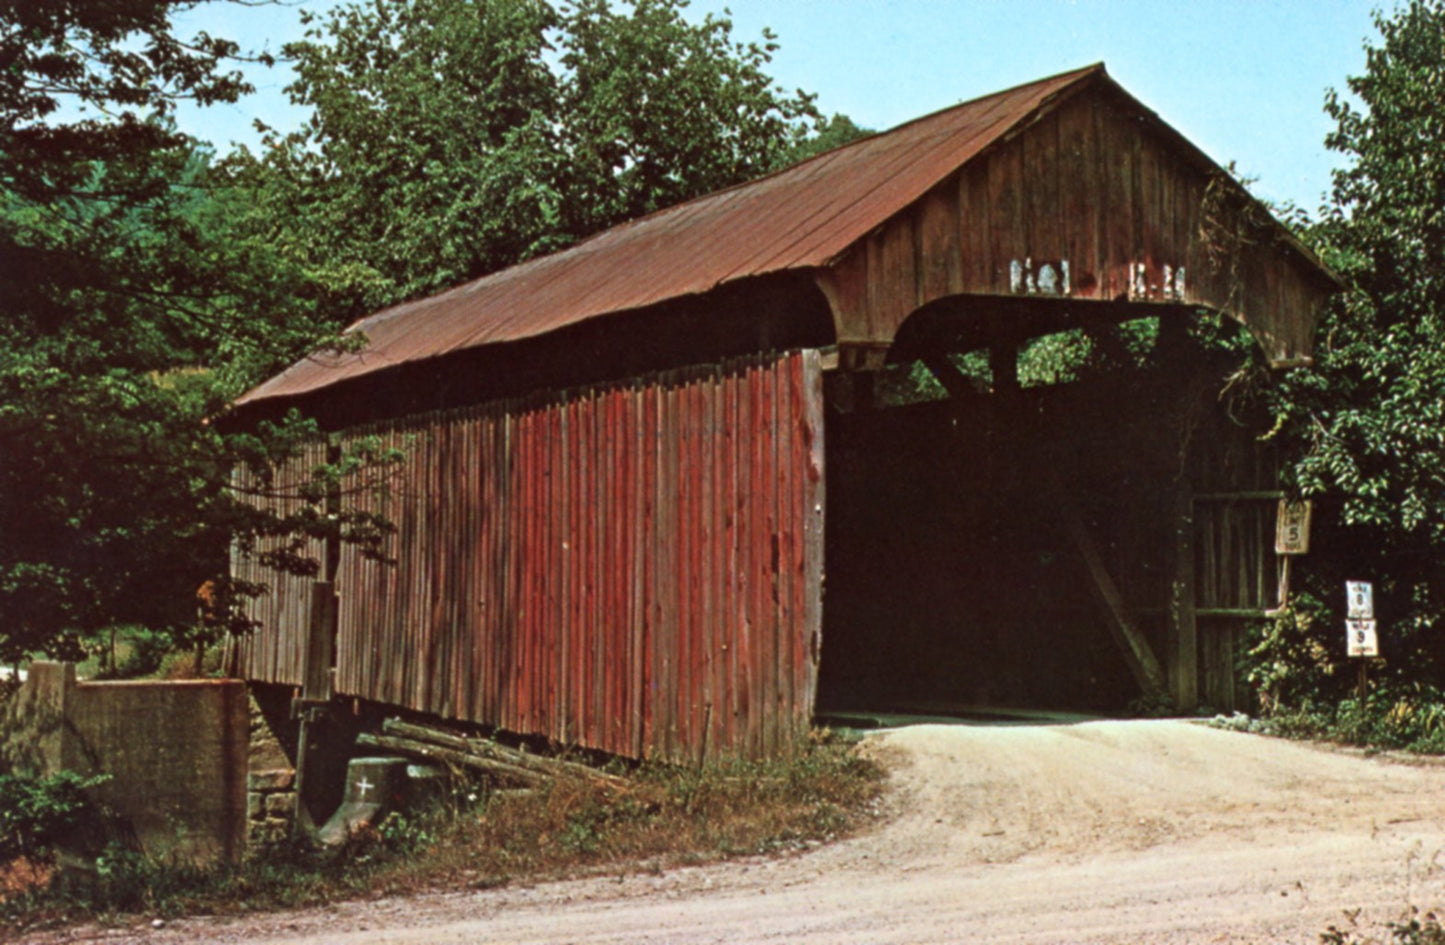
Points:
[(1159, 832)]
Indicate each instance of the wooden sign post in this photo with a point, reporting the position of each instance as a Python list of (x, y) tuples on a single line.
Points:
[(1291, 537)]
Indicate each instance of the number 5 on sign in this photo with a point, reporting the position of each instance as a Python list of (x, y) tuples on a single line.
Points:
[(1292, 528)]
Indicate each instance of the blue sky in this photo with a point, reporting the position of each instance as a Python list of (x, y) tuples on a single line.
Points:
[(1243, 79)]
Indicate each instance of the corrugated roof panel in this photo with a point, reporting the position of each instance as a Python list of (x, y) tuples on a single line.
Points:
[(802, 217)]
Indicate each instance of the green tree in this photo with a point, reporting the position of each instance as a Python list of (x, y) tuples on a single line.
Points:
[(451, 138), (1368, 418), (131, 311), (828, 133)]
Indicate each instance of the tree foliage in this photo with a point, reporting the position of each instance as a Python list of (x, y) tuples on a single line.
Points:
[(133, 311), (144, 284), (1368, 418), (451, 138)]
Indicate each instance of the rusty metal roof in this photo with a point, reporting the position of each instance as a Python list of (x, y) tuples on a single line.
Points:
[(799, 218)]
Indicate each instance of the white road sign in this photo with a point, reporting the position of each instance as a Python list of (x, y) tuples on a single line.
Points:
[(1359, 600), (1363, 640)]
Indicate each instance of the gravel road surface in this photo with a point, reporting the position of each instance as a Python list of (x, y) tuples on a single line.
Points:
[(1092, 832)]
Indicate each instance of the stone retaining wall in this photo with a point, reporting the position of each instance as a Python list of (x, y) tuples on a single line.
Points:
[(175, 752)]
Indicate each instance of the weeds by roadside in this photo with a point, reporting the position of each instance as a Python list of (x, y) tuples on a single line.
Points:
[(1418, 930), (1396, 718), (664, 816)]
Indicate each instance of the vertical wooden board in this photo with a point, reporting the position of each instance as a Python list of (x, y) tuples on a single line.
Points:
[(1184, 196), (525, 559), (636, 716), (481, 574), (974, 250), (815, 510), (726, 598), (558, 585), (539, 563), (595, 490), (801, 708), (618, 610), (437, 553), (700, 577), (609, 607), (692, 570), (679, 651), (763, 535), (1043, 223), (1006, 241), (1119, 152), (750, 527), (482, 571), (473, 572), (501, 613), (467, 634), (898, 293), (788, 522), (592, 465), (1094, 227), (598, 509), (691, 660), (656, 572), (404, 670), (1078, 196), (391, 644), (1136, 147), (939, 263), (425, 553), (665, 631), (717, 560), (407, 566), (455, 545), (872, 258), (546, 577), (648, 601), (702, 563), (661, 630), (404, 667), (1154, 223), (585, 470), (738, 557), (565, 666), (508, 666), (553, 576), (602, 543)]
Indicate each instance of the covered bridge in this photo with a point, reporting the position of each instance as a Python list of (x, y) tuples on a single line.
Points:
[(796, 446)]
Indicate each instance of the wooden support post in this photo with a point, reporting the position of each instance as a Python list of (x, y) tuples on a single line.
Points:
[(316, 693), (1182, 634), (1135, 649), (960, 387), (1003, 363)]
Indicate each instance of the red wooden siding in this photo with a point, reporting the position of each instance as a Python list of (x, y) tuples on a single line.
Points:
[(275, 652), (1093, 185), (636, 568)]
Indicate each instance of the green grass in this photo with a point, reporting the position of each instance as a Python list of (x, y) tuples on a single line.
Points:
[(1391, 718)]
